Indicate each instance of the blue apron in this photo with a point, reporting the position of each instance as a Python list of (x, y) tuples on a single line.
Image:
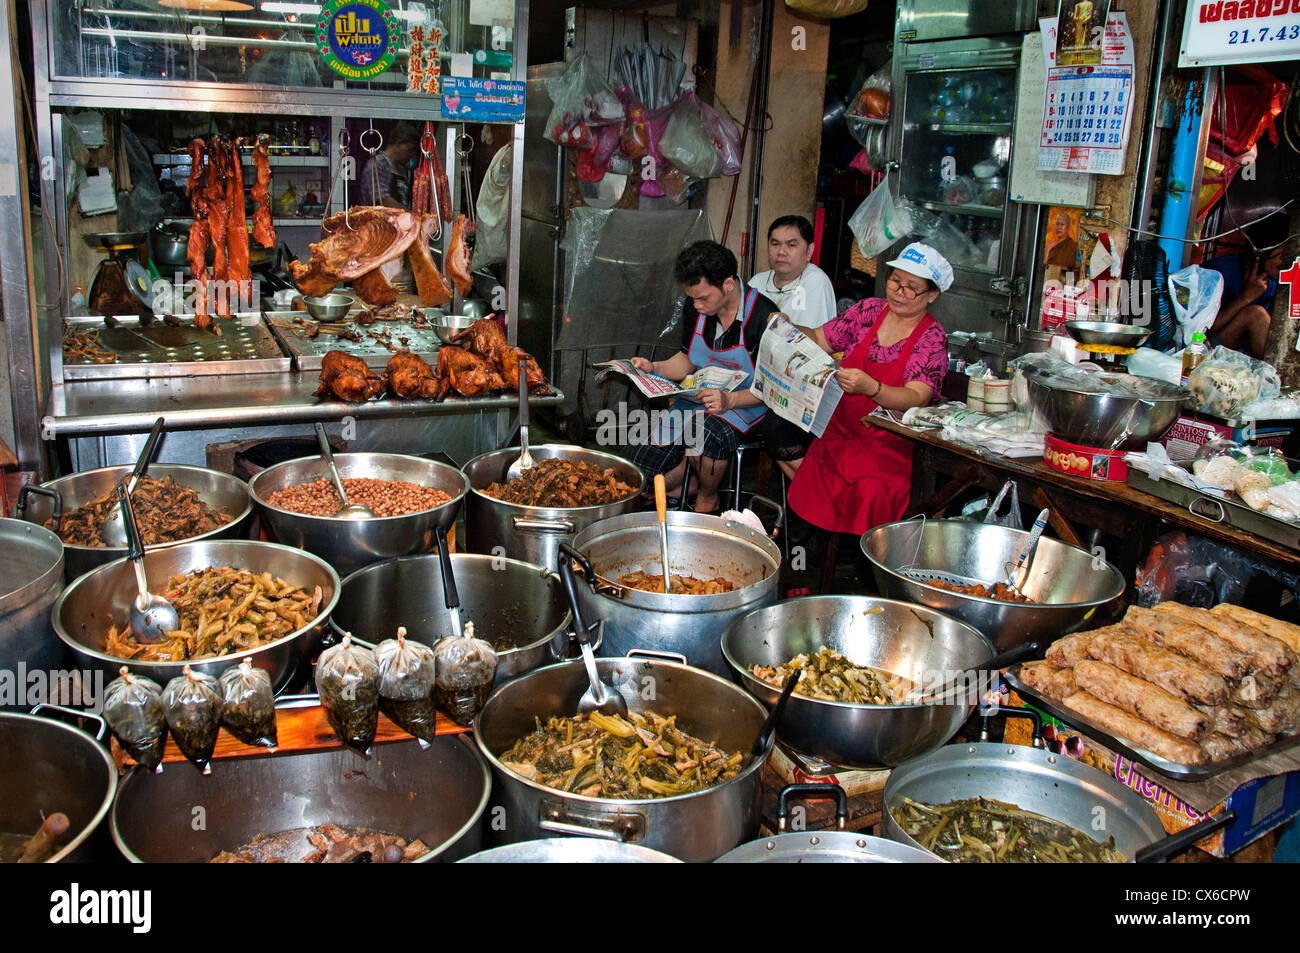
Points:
[(668, 428)]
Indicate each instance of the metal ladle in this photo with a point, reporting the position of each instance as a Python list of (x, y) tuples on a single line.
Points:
[(600, 696), (525, 459), (113, 531), (349, 511), (152, 616)]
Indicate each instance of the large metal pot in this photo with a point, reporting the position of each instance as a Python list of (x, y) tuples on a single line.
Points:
[(897, 637), (698, 826), (1068, 584), (534, 533), (218, 490), (32, 581), (698, 545), (509, 602), (1109, 420), (102, 597), (348, 544), (571, 850), (46, 766), (437, 794)]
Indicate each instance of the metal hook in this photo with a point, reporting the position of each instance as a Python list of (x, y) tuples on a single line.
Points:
[(464, 137), (362, 140)]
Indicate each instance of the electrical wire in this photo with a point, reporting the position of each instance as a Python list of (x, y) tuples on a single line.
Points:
[(30, 117)]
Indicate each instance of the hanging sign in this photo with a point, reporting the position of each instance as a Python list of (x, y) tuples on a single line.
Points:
[(482, 100), (357, 38), (1240, 31)]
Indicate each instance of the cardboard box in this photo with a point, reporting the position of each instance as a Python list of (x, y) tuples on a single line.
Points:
[(1190, 433), (852, 780)]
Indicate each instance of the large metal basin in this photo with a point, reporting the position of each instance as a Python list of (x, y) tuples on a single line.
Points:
[(33, 579), (897, 637), (504, 598), (102, 597), (218, 490), (1109, 421), (46, 766), (1068, 585), (534, 533), (692, 827), (698, 545), (437, 794), (348, 544)]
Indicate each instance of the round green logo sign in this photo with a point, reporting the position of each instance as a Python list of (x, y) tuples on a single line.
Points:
[(357, 38)]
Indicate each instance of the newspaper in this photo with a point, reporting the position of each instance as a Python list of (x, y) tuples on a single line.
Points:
[(652, 385), (795, 378)]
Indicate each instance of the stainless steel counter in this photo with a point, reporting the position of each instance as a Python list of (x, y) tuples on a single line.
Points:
[(94, 408)]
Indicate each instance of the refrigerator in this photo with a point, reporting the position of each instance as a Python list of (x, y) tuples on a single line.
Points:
[(955, 78)]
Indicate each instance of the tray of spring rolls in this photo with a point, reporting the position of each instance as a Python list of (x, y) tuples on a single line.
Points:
[(372, 334), (96, 348), (1190, 693)]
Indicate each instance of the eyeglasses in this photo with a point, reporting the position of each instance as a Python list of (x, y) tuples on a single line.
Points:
[(895, 284)]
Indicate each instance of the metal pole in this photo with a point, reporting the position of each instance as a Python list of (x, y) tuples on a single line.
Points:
[(1147, 157), (519, 72)]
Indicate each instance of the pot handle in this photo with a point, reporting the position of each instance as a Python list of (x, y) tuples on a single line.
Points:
[(1166, 847), (522, 524), (1011, 712), (772, 505), (74, 713), (805, 791), (657, 655), (582, 629), (625, 827), (20, 507), (567, 549)]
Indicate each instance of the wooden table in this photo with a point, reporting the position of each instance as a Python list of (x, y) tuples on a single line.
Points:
[(1130, 517)]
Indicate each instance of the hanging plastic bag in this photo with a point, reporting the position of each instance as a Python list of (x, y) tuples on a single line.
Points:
[(879, 221), (248, 704), (133, 709), (873, 99), (1011, 518), (1197, 293), (656, 121), (406, 682), (493, 234), (1226, 381), (465, 667), (725, 135), (347, 678), (687, 144), (192, 703), (582, 100)]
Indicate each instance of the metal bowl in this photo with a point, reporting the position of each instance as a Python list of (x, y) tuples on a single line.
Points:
[(218, 490), (1109, 421), (447, 326), (169, 245), (505, 599), (348, 544), (571, 850), (908, 640), (330, 307), (1068, 584), (1108, 333), (103, 596)]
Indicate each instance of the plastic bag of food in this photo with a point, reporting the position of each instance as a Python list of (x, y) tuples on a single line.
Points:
[(1172, 572), (687, 144), (879, 221), (725, 135), (406, 683), (133, 709), (1226, 381), (581, 100), (192, 703), (1196, 293), (248, 704), (465, 668), (347, 679)]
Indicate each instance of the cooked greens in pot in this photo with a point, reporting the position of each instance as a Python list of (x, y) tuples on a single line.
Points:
[(829, 676)]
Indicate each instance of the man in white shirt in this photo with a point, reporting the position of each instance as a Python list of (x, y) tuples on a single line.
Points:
[(799, 288)]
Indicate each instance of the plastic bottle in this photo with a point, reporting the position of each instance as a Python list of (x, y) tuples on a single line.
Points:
[(1195, 353)]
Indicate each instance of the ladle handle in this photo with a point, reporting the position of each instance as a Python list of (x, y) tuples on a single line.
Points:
[(327, 454), (444, 563), (523, 405), (134, 547), (146, 455), (571, 590), (1167, 847), (995, 664), (774, 716), (661, 499)]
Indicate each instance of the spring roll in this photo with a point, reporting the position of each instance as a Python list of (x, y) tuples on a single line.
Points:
[(1055, 683), (1176, 674), (1146, 701), (1266, 624), (1272, 656), (1189, 639), (1135, 732), (1064, 652), (1256, 690), (1227, 720), (1281, 717)]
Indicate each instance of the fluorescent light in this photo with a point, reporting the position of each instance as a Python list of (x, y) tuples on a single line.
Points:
[(305, 9)]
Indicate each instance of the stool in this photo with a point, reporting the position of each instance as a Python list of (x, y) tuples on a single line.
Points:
[(737, 461)]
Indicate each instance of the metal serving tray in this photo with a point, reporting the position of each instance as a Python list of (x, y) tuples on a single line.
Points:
[(309, 352), (245, 346), (1170, 769), (1218, 509)]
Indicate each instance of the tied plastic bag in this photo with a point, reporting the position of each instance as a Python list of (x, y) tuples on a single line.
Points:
[(1196, 293), (581, 100), (1227, 381), (879, 221), (406, 683), (872, 101), (133, 709), (1011, 518), (465, 669), (725, 135), (347, 679), (192, 703), (248, 704), (687, 144)]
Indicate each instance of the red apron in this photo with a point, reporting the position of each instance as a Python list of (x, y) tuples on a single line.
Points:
[(856, 476)]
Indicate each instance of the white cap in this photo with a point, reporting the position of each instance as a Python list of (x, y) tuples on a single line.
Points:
[(924, 262)]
